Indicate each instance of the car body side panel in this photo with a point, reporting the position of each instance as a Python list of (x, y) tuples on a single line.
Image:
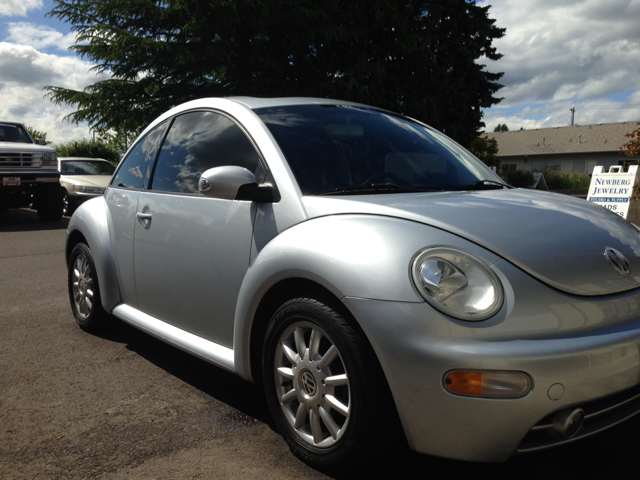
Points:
[(121, 207), (92, 221), (190, 259), (350, 255)]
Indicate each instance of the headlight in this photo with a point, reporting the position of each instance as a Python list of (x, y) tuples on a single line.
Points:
[(83, 189), (49, 159), (457, 284)]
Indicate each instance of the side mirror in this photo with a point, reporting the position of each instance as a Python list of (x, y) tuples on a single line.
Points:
[(41, 141), (234, 183)]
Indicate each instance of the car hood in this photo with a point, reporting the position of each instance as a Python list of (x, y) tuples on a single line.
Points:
[(19, 147), (560, 240), (101, 181)]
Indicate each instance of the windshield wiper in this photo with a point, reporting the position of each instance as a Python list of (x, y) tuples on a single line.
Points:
[(482, 185), (374, 188)]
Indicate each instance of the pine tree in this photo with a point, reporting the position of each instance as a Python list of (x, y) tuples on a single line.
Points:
[(417, 57)]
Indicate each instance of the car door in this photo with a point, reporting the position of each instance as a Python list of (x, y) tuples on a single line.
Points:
[(192, 252), (131, 178)]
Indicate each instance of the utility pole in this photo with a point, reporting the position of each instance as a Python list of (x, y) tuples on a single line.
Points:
[(573, 113)]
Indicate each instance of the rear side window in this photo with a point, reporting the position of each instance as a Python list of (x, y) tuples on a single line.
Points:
[(196, 142), (135, 170)]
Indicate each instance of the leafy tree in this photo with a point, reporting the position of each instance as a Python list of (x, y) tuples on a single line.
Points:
[(118, 141), (417, 57), (36, 134), (632, 147), (486, 149), (501, 127), (89, 148)]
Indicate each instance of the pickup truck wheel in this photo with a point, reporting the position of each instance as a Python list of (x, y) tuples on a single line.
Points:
[(48, 202), (84, 292), (325, 388)]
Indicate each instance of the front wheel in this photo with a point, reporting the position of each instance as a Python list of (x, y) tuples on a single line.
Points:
[(68, 206), (324, 387), (84, 292), (48, 202)]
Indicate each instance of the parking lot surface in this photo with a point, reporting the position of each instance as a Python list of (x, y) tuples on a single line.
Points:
[(123, 405)]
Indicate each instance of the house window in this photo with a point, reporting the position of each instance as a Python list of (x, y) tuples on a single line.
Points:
[(508, 167)]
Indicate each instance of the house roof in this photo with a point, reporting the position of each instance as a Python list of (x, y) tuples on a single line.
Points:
[(603, 137)]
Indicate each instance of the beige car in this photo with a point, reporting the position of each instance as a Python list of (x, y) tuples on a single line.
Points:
[(83, 178)]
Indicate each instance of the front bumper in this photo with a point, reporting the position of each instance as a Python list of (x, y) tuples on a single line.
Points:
[(588, 349), (79, 197)]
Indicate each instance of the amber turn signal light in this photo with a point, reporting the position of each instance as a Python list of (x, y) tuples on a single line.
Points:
[(488, 384)]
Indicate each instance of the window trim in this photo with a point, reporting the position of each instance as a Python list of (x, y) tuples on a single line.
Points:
[(130, 151), (170, 122)]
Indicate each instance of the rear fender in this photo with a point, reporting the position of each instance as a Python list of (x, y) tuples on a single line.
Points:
[(90, 221)]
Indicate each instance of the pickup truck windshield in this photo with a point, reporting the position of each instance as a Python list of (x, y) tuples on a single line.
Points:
[(10, 132), (347, 150)]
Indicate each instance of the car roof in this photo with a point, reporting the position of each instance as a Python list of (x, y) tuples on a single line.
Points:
[(255, 102)]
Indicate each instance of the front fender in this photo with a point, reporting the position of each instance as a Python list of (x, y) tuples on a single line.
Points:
[(361, 256), (91, 221)]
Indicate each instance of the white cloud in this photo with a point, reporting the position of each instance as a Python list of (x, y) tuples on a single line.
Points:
[(10, 8), (24, 73), (38, 36), (582, 53)]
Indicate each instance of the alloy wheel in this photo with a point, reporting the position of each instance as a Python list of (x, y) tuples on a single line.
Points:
[(312, 385)]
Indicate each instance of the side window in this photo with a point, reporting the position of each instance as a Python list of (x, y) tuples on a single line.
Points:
[(135, 170), (198, 141)]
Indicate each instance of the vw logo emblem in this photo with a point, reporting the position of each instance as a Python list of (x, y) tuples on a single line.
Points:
[(308, 383), (617, 261)]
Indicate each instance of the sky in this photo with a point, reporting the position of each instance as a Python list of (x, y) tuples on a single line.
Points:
[(557, 55)]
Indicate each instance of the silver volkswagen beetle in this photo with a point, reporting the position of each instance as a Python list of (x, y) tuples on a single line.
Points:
[(375, 277)]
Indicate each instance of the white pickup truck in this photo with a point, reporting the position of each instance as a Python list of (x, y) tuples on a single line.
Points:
[(29, 173)]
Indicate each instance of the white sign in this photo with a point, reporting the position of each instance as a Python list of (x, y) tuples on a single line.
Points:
[(613, 190)]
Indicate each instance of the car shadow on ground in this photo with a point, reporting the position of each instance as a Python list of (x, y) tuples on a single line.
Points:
[(24, 220), (246, 397), (611, 454)]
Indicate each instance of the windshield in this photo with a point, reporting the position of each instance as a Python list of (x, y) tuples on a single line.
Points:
[(354, 150), (10, 132), (86, 167)]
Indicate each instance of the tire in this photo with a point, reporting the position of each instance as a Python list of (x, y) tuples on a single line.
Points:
[(334, 408), (68, 207), (84, 291), (48, 202)]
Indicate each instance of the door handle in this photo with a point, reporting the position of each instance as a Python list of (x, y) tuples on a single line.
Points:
[(144, 219)]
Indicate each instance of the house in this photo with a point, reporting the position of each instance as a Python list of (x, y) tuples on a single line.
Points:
[(571, 149)]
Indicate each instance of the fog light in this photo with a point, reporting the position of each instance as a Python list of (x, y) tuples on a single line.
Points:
[(488, 384)]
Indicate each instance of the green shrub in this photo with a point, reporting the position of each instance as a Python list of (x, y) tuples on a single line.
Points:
[(88, 148), (557, 180), (519, 178)]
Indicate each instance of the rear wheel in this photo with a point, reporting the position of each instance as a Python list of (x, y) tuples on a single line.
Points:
[(325, 387), (84, 292)]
